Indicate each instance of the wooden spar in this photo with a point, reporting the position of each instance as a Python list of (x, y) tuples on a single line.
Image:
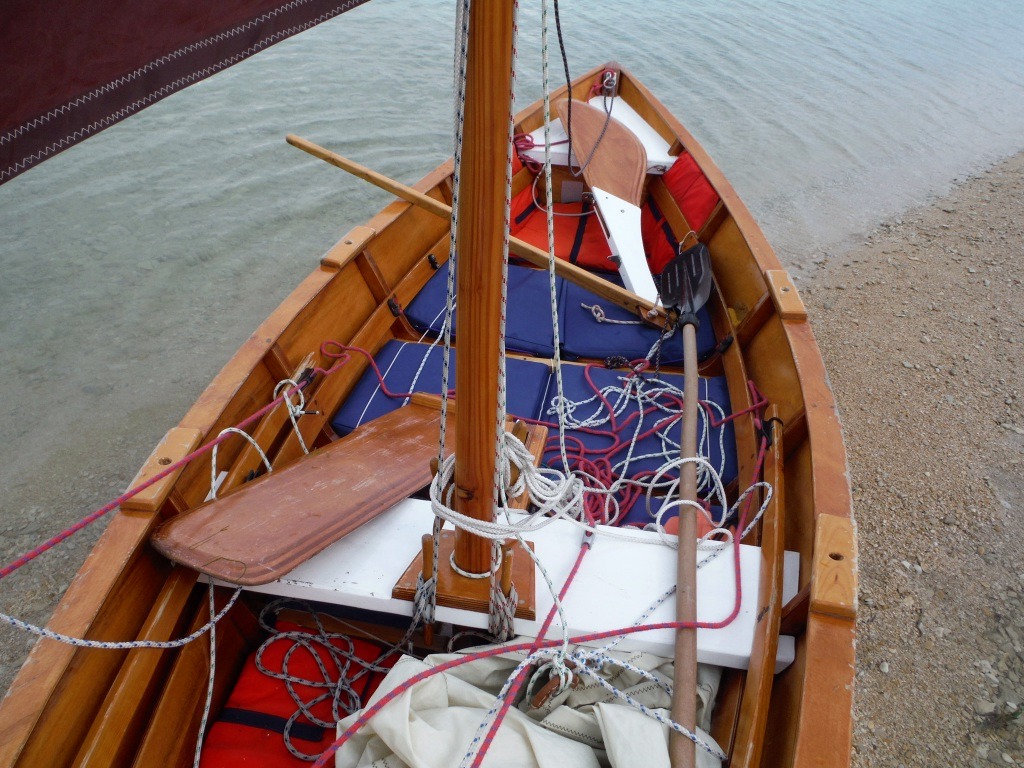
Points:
[(684, 682), (479, 239), (621, 297)]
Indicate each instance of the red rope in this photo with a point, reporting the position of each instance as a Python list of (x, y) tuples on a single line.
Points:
[(539, 643), (759, 403), (343, 356), (523, 142), (598, 86), (597, 463), (510, 695)]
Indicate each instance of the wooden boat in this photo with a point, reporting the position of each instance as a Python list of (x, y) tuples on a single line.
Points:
[(141, 706)]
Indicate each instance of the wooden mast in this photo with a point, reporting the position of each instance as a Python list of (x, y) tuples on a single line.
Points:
[(479, 242)]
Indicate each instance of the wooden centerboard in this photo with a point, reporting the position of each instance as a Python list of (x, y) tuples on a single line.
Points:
[(620, 165), (269, 526)]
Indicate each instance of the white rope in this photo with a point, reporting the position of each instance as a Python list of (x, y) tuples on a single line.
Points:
[(550, 222), (459, 107), (459, 111), (495, 567), (600, 316), (213, 455), (337, 687), (502, 613), (208, 702), (643, 393), (548, 207), (586, 657), (295, 409), (120, 645)]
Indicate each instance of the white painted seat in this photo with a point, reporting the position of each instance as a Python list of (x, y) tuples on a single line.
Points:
[(617, 580)]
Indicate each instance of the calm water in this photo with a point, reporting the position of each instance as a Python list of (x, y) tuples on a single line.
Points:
[(135, 263)]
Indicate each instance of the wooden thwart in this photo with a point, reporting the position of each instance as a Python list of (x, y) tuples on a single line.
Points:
[(265, 529)]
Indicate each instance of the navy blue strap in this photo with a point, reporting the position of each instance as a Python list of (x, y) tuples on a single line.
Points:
[(659, 218), (267, 722), (581, 229), (526, 213)]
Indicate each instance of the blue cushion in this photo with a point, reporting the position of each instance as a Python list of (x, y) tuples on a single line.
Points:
[(528, 326), (581, 334), (654, 449), (637, 513), (399, 363), (585, 336)]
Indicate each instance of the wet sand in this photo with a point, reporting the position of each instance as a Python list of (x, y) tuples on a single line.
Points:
[(921, 329)]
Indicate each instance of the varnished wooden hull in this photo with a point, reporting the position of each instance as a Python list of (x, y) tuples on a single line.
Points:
[(73, 706)]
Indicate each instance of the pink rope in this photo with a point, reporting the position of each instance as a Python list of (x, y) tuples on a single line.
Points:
[(67, 533), (521, 678), (539, 644), (343, 356)]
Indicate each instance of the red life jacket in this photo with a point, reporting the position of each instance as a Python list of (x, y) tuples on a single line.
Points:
[(696, 199), (578, 239), (250, 728)]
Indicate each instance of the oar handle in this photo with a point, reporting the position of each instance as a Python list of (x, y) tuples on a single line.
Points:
[(684, 682), (628, 300)]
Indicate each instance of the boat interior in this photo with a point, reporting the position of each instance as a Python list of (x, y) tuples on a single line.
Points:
[(597, 390)]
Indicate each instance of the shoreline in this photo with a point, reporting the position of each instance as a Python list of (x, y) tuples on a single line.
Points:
[(920, 327)]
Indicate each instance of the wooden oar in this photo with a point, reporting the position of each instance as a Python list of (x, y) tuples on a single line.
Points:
[(642, 308), (614, 164), (685, 286)]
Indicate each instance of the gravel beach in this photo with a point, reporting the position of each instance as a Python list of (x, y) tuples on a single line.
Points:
[(921, 328)]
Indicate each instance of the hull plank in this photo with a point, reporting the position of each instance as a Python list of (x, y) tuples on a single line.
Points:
[(115, 732), (753, 714), (170, 736)]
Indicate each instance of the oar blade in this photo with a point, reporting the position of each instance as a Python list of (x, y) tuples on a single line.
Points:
[(686, 280)]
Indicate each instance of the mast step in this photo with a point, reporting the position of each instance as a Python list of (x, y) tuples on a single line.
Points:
[(457, 591)]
